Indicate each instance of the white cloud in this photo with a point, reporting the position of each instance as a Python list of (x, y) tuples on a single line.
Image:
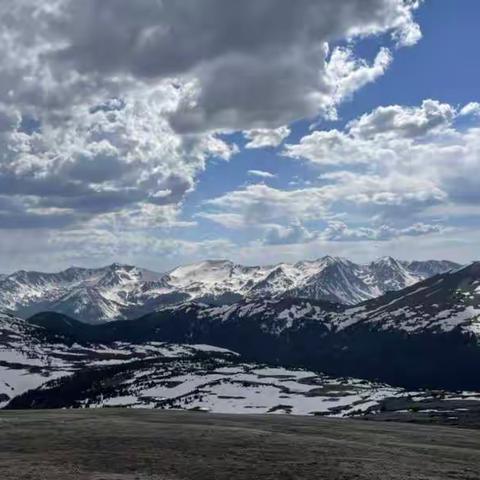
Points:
[(261, 174), (54, 250), (291, 234), (256, 206), (385, 136), (346, 73), (472, 108), (233, 221), (459, 244), (404, 122), (392, 173), (106, 158), (111, 109), (333, 147), (89, 90), (266, 137), (339, 231), (259, 204), (415, 150), (388, 191)]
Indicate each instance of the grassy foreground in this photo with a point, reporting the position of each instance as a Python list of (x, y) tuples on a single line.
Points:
[(116, 444)]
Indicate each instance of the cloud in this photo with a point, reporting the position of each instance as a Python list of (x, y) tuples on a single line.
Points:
[(110, 110), (265, 137), (52, 250), (346, 73), (385, 135), (261, 174), (93, 46), (384, 193), (89, 91), (292, 234), (404, 122), (401, 168), (472, 108), (101, 244), (421, 151), (258, 205), (107, 159), (339, 231), (332, 147)]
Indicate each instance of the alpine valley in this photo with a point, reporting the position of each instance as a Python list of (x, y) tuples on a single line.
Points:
[(327, 337)]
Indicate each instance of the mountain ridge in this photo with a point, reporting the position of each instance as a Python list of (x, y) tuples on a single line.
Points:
[(118, 291)]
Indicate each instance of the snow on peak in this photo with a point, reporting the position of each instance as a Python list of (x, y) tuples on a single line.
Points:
[(121, 291)]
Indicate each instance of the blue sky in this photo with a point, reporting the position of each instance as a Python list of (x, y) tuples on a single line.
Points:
[(441, 66), (352, 132)]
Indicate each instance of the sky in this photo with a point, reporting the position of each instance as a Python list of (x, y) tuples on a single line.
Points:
[(159, 133)]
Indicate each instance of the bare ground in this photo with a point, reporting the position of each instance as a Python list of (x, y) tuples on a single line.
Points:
[(112, 444)]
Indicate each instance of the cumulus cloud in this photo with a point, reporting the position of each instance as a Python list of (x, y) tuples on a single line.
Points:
[(380, 137), (402, 167), (90, 90), (111, 109), (346, 73), (404, 122), (106, 158), (97, 45), (420, 150), (472, 108), (362, 195), (259, 204), (295, 233), (266, 137)]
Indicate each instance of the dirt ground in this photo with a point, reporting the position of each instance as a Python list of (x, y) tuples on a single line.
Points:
[(113, 444)]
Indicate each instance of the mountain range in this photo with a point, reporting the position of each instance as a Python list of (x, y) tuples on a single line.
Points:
[(119, 292), (426, 335)]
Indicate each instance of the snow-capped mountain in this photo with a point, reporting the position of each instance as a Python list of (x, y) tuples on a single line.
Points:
[(425, 334), (448, 302), (89, 294), (181, 356), (122, 291), (443, 303)]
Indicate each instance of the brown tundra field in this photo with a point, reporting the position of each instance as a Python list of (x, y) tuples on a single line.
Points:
[(114, 444)]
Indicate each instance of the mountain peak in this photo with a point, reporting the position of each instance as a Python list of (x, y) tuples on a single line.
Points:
[(118, 266), (386, 260)]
